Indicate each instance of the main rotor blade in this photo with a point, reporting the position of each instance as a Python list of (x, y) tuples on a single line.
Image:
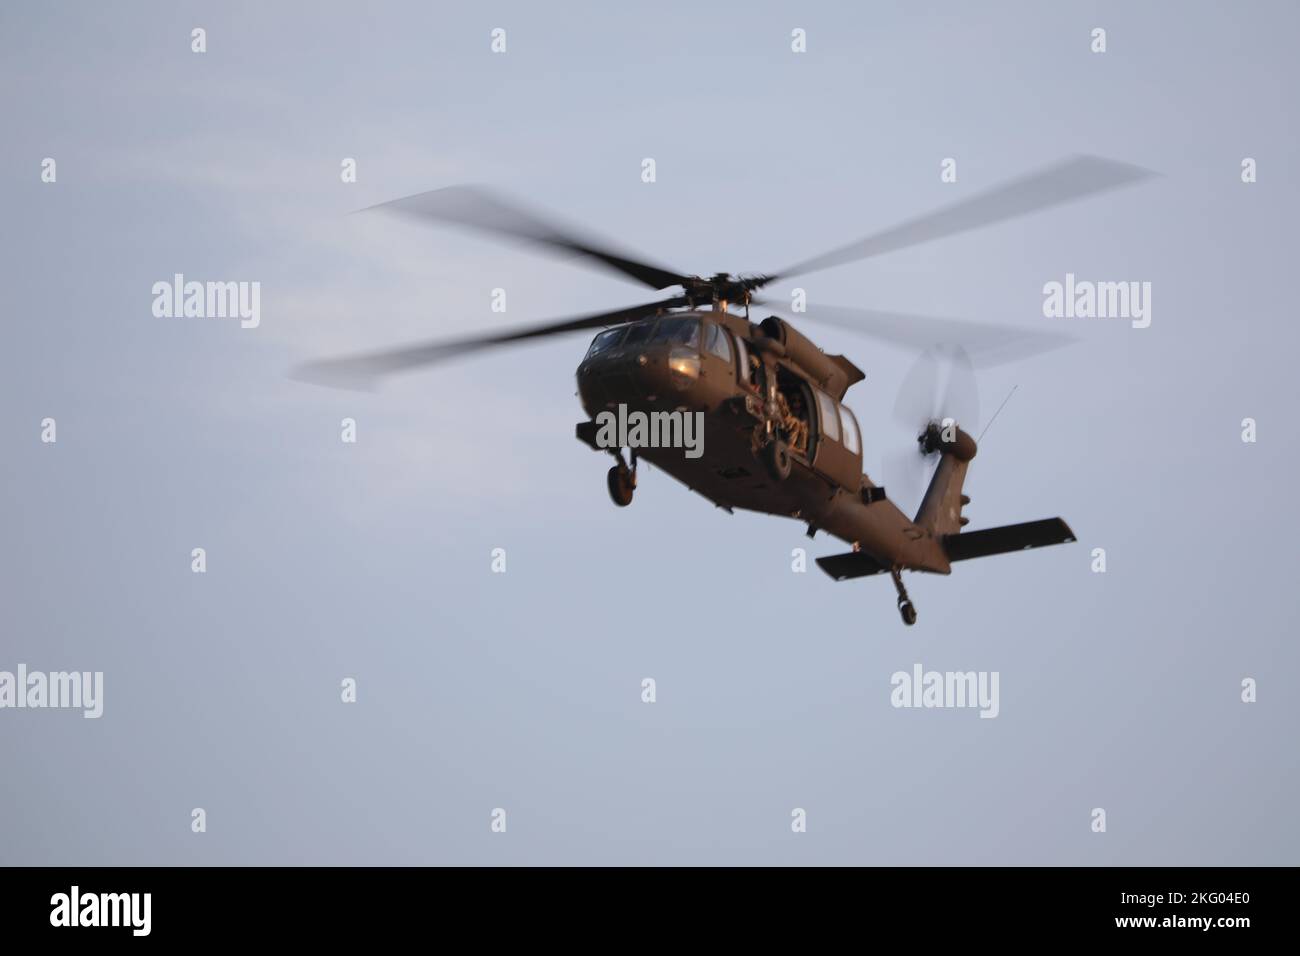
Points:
[(363, 371), (988, 344), (477, 208), (1060, 183)]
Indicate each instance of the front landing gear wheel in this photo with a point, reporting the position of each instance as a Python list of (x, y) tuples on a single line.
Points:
[(908, 612), (621, 485)]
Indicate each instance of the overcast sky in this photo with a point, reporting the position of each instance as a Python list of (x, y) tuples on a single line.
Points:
[(522, 690)]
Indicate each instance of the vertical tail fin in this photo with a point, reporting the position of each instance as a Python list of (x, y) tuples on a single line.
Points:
[(940, 510)]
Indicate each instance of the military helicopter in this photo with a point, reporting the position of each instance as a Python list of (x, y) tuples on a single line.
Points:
[(778, 438)]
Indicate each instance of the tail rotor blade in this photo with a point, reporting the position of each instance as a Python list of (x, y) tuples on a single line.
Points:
[(940, 384), (918, 396), (906, 474), (961, 399)]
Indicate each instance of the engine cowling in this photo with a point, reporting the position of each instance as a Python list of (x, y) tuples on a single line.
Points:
[(832, 373)]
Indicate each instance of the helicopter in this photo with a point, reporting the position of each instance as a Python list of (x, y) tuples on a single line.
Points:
[(778, 438)]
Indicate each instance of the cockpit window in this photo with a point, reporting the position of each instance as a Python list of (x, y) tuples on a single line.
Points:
[(605, 341), (742, 360), (684, 331), (639, 332), (717, 342)]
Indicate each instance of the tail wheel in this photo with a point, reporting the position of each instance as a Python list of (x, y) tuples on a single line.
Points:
[(906, 609), (908, 612), (776, 459), (620, 485)]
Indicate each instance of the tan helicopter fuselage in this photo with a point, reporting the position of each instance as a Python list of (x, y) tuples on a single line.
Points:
[(740, 376)]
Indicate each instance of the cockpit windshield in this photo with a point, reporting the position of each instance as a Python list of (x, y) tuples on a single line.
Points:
[(683, 331), (605, 341), (670, 330), (639, 332)]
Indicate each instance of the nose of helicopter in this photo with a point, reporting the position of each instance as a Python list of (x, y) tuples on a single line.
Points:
[(647, 373)]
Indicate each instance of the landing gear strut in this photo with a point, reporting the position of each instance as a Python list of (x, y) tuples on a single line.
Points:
[(905, 607), (622, 479)]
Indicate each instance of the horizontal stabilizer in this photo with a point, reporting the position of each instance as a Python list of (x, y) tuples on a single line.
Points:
[(1011, 537), (853, 564)]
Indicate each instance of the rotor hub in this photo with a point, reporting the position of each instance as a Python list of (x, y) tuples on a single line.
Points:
[(946, 436), (723, 287)]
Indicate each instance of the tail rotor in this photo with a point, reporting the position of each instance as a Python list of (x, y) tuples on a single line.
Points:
[(938, 393)]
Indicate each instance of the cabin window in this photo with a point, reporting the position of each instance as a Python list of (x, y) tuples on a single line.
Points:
[(716, 341), (852, 438), (830, 418), (683, 331), (605, 341)]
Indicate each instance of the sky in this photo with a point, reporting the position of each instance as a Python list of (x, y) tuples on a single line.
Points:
[(522, 691)]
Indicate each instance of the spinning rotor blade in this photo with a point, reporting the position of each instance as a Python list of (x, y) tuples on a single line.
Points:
[(1063, 182), (921, 400), (961, 399), (363, 371), (906, 475), (479, 209), (918, 396), (907, 470), (985, 343)]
